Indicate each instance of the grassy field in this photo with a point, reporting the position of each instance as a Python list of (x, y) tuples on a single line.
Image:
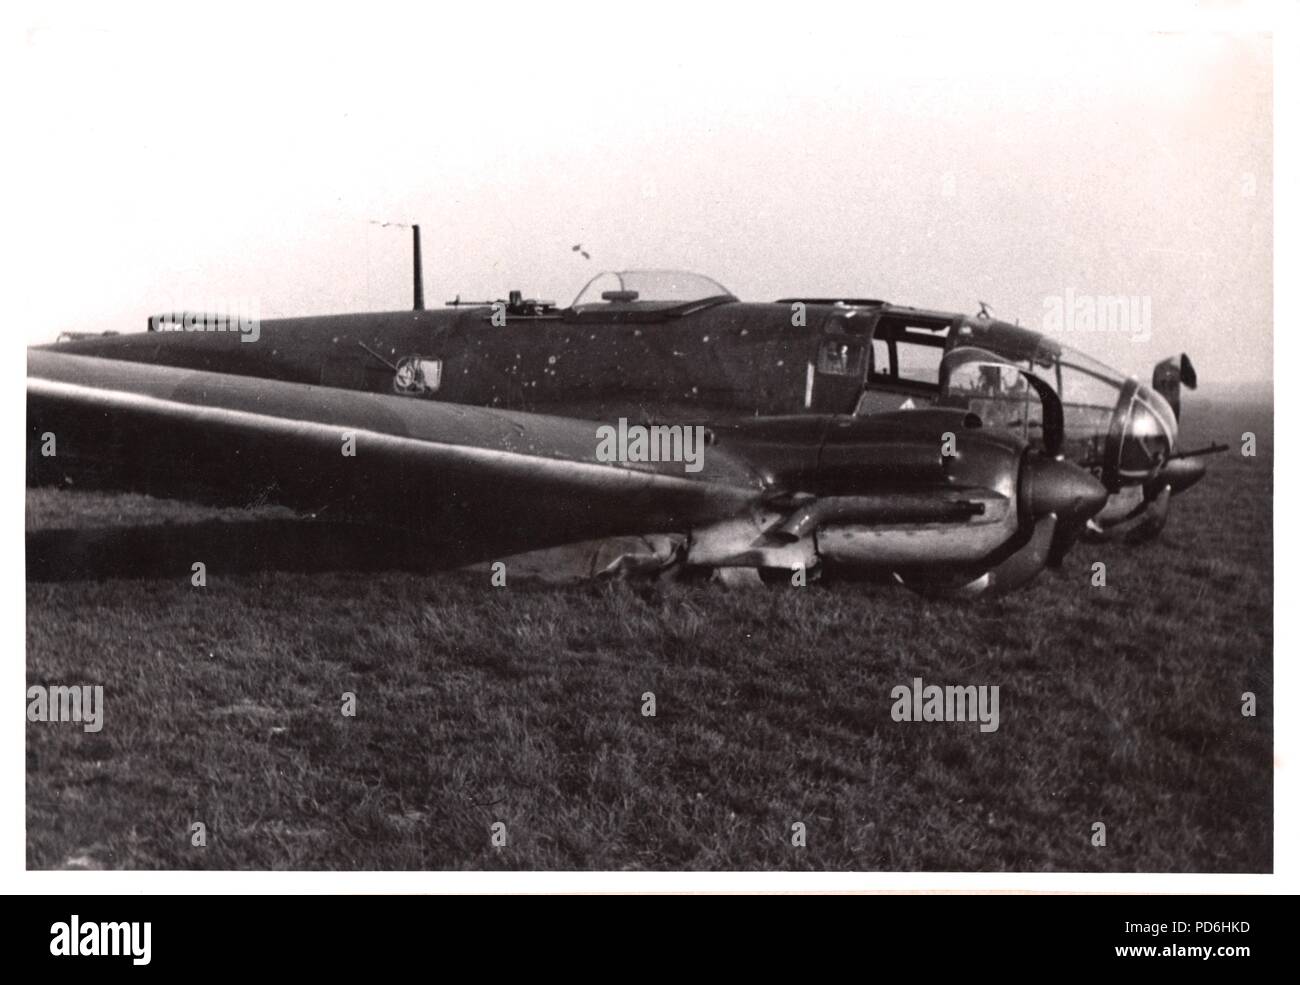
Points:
[(522, 705)]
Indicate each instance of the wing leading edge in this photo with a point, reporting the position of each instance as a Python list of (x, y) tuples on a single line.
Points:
[(435, 468)]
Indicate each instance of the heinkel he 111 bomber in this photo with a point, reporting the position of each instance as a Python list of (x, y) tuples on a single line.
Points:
[(657, 423)]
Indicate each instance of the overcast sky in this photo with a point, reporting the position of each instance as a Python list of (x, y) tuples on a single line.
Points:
[(170, 164)]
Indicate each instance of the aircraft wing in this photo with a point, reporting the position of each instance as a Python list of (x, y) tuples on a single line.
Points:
[(873, 492), (435, 468)]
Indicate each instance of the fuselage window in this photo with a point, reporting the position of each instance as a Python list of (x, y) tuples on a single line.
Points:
[(839, 358), (919, 363), (907, 352)]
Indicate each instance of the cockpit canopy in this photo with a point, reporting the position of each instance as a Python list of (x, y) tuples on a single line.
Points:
[(1114, 423), (645, 288)]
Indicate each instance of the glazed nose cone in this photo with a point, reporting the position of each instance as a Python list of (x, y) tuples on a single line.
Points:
[(1150, 433)]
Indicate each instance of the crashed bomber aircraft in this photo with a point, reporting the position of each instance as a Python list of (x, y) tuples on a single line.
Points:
[(487, 421)]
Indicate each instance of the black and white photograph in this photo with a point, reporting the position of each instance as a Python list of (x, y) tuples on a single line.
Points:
[(646, 439)]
